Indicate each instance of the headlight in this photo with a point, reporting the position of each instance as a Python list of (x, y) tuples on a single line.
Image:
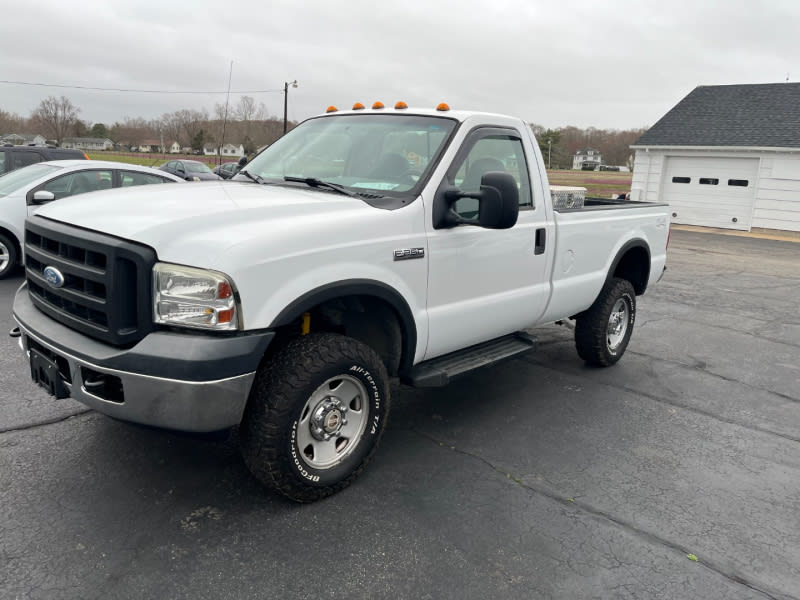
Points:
[(191, 297)]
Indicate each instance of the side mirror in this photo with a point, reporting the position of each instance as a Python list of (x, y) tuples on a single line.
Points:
[(42, 196), (242, 161), (499, 206), (498, 203)]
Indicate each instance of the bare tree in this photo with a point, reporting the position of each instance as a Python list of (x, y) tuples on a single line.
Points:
[(11, 122), (246, 109), (57, 116), (172, 128), (131, 132), (191, 122)]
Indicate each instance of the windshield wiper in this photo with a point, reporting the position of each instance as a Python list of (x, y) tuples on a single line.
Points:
[(318, 183), (249, 175)]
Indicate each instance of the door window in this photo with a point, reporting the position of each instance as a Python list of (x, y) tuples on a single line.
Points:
[(131, 178), (2, 161), (78, 183), (23, 159), (495, 152)]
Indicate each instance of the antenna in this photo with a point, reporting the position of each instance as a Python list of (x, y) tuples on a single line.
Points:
[(225, 119)]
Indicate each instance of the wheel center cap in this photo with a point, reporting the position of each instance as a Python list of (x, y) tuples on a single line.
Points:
[(332, 420), (328, 418)]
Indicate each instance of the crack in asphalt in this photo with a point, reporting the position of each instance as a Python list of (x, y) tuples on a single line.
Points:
[(723, 328), (670, 402), (34, 425), (710, 564), (701, 366)]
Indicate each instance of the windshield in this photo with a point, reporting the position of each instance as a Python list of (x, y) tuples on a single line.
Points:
[(196, 167), (386, 154), (11, 182)]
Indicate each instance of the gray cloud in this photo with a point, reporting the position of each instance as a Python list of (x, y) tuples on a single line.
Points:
[(616, 64)]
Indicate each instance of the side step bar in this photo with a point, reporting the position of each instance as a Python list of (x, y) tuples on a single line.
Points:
[(439, 371)]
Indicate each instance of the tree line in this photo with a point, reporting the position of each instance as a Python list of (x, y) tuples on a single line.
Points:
[(559, 146), (245, 122)]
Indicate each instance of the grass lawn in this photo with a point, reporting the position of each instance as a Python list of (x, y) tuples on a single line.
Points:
[(598, 184)]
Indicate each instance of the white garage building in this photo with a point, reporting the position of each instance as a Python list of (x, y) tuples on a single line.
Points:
[(726, 156)]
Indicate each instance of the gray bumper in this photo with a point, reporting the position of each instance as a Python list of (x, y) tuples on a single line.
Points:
[(208, 391)]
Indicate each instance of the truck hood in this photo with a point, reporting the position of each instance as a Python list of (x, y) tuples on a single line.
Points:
[(199, 221)]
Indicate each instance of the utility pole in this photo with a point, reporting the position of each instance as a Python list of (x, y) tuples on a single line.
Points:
[(549, 142), (286, 102)]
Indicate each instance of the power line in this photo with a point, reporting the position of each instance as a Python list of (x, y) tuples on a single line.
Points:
[(100, 89)]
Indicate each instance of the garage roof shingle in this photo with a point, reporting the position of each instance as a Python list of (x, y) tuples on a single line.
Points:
[(754, 115)]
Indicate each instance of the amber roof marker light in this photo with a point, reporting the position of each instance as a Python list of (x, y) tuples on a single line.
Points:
[(443, 107), (358, 106), (377, 106), (401, 105), (331, 109)]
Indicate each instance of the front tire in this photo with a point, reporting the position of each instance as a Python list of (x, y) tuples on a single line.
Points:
[(603, 331), (315, 416), (8, 257)]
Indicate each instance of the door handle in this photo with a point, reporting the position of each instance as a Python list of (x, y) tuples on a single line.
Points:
[(541, 241)]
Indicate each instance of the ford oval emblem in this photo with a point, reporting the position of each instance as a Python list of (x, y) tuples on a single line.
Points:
[(53, 277)]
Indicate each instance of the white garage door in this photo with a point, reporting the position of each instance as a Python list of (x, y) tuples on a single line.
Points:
[(712, 192)]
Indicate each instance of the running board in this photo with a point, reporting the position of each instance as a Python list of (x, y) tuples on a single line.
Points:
[(439, 371)]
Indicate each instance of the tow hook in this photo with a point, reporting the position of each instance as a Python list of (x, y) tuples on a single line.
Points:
[(15, 333)]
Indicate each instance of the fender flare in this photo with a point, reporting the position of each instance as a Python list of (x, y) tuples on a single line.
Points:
[(630, 245), (358, 287)]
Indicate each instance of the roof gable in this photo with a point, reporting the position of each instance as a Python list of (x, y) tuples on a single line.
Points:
[(759, 115)]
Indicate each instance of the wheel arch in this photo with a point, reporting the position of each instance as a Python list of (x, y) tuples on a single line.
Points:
[(379, 297), (632, 262)]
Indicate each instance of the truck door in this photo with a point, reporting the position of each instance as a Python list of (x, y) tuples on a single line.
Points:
[(484, 283)]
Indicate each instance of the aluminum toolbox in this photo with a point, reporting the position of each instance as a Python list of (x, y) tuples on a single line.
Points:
[(567, 197)]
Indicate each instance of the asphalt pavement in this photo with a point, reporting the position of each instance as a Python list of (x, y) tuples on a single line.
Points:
[(674, 474)]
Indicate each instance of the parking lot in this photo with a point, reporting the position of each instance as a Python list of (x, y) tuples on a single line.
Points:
[(674, 474)]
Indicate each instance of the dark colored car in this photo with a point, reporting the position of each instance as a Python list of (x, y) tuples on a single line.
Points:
[(190, 170), (227, 170), (16, 157)]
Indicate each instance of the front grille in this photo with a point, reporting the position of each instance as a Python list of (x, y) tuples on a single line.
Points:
[(106, 289)]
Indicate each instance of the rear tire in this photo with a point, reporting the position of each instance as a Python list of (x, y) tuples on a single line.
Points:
[(603, 331), (315, 416), (8, 257)]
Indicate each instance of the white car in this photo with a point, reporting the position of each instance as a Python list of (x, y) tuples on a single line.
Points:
[(24, 190)]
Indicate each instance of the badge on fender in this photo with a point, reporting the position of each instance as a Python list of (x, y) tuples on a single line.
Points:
[(408, 253)]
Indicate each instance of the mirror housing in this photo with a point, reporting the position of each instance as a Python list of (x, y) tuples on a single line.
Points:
[(242, 161), (42, 196), (498, 203)]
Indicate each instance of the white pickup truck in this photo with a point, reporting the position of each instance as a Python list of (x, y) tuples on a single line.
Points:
[(364, 245)]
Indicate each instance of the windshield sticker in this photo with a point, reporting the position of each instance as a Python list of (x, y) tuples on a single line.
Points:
[(376, 186)]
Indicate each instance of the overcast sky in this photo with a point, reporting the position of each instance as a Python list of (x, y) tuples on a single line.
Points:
[(612, 64)]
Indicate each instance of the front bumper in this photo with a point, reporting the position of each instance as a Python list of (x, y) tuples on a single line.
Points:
[(183, 381)]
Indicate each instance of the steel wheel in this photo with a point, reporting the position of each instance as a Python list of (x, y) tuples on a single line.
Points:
[(602, 332), (332, 422), (617, 324), (8, 256), (4, 256)]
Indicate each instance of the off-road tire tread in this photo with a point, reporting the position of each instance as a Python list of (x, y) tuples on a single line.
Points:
[(592, 324), (274, 395)]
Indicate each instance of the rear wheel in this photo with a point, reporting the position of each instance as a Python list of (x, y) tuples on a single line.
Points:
[(8, 256), (603, 331), (315, 416)]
